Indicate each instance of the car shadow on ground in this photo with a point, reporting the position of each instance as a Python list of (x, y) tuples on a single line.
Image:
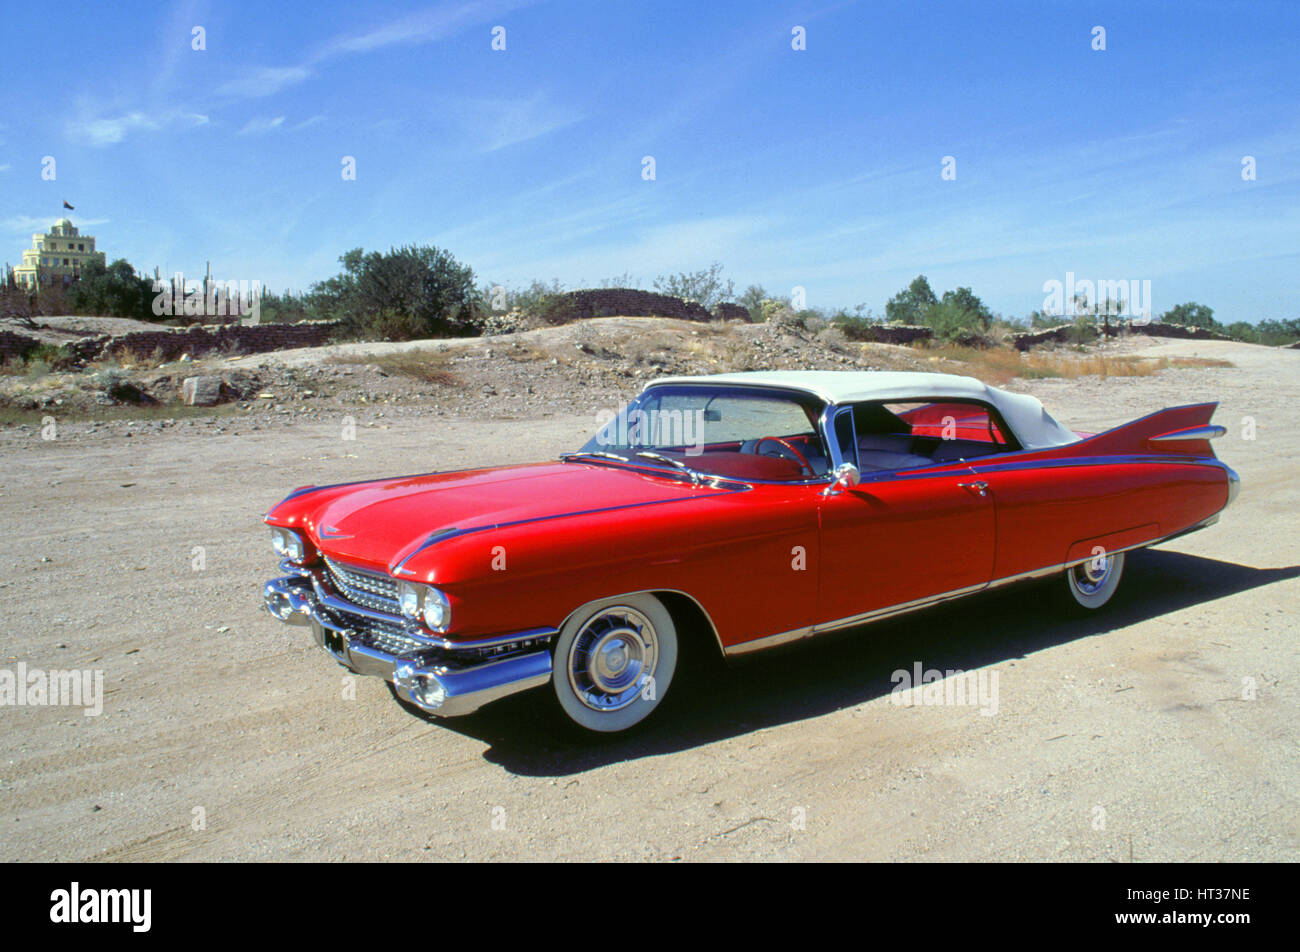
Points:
[(527, 735)]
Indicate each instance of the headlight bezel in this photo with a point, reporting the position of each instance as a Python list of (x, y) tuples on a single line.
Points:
[(425, 604), (291, 545)]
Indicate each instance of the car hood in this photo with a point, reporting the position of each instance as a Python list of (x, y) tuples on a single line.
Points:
[(379, 524)]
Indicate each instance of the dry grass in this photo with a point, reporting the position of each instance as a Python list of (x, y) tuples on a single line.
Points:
[(430, 366), (1001, 364), (1195, 362), (131, 358)]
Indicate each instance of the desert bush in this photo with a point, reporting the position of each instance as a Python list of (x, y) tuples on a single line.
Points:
[(287, 308), (45, 358), (909, 305), (752, 301), (533, 301), (112, 291), (1083, 330), (955, 323), (404, 294), (1277, 333), (706, 287), (855, 325)]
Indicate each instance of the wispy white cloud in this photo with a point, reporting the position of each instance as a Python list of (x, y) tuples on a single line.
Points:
[(424, 26), (510, 122), (110, 130), (6, 167), (308, 123), (264, 81), (261, 126)]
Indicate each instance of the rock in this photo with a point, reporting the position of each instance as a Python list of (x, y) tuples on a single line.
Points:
[(201, 391)]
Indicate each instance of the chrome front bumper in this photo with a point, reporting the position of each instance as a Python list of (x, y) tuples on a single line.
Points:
[(441, 677)]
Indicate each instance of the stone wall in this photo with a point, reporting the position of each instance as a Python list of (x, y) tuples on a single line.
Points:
[(198, 340), (13, 346), (731, 312), (1158, 329), (888, 333), (621, 302), (1062, 333), (195, 340)]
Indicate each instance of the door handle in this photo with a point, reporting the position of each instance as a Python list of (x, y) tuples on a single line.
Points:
[(979, 487)]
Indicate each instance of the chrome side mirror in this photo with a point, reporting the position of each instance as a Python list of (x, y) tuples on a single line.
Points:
[(846, 476)]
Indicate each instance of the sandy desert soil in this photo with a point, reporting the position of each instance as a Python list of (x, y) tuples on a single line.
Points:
[(1122, 736)]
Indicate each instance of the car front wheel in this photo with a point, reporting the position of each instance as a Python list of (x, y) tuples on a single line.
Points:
[(614, 661), (1092, 583)]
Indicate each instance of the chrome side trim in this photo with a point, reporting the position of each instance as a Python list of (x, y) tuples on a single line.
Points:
[(808, 631), (1207, 432), (495, 641), (470, 530)]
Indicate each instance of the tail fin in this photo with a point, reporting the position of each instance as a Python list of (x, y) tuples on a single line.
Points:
[(1177, 431)]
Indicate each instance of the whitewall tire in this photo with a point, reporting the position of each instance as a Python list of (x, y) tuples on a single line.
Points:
[(614, 662), (1092, 583)]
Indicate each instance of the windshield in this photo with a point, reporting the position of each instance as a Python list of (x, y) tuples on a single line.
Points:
[(735, 432)]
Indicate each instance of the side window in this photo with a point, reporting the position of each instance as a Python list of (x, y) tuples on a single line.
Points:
[(907, 435), (846, 435), (952, 421)]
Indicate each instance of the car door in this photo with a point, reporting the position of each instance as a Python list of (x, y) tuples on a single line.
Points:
[(902, 537)]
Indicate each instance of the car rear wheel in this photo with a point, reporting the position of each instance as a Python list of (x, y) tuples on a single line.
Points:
[(614, 661), (1092, 583)]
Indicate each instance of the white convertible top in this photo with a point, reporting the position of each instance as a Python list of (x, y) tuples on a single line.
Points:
[(1033, 426)]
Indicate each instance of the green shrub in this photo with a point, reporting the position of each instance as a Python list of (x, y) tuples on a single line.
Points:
[(44, 358), (406, 293)]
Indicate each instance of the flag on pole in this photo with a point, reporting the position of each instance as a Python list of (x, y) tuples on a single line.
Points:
[(67, 206)]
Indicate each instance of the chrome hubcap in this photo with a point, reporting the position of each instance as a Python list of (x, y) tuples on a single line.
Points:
[(1090, 576), (612, 657)]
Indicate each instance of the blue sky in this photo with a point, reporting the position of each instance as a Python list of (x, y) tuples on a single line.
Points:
[(817, 168)]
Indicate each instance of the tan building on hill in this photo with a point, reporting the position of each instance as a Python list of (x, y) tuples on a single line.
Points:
[(57, 257)]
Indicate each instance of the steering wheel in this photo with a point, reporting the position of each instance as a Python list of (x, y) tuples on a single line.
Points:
[(798, 457)]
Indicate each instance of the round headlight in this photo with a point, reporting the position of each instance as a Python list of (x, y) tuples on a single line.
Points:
[(410, 595), (288, 544), (437, 611)]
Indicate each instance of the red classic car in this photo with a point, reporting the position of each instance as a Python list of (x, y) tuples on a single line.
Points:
[(756, 508)]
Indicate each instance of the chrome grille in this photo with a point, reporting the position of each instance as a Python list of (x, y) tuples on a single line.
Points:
[(389, 639), (367, 589)]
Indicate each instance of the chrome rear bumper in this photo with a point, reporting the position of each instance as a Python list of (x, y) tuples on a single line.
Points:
[(440, 677)]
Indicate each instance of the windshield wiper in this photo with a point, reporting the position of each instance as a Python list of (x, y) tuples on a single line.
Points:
[(695, 476), (582, 454)]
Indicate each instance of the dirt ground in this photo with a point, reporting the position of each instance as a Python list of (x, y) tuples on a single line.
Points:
[(1164, 727)]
